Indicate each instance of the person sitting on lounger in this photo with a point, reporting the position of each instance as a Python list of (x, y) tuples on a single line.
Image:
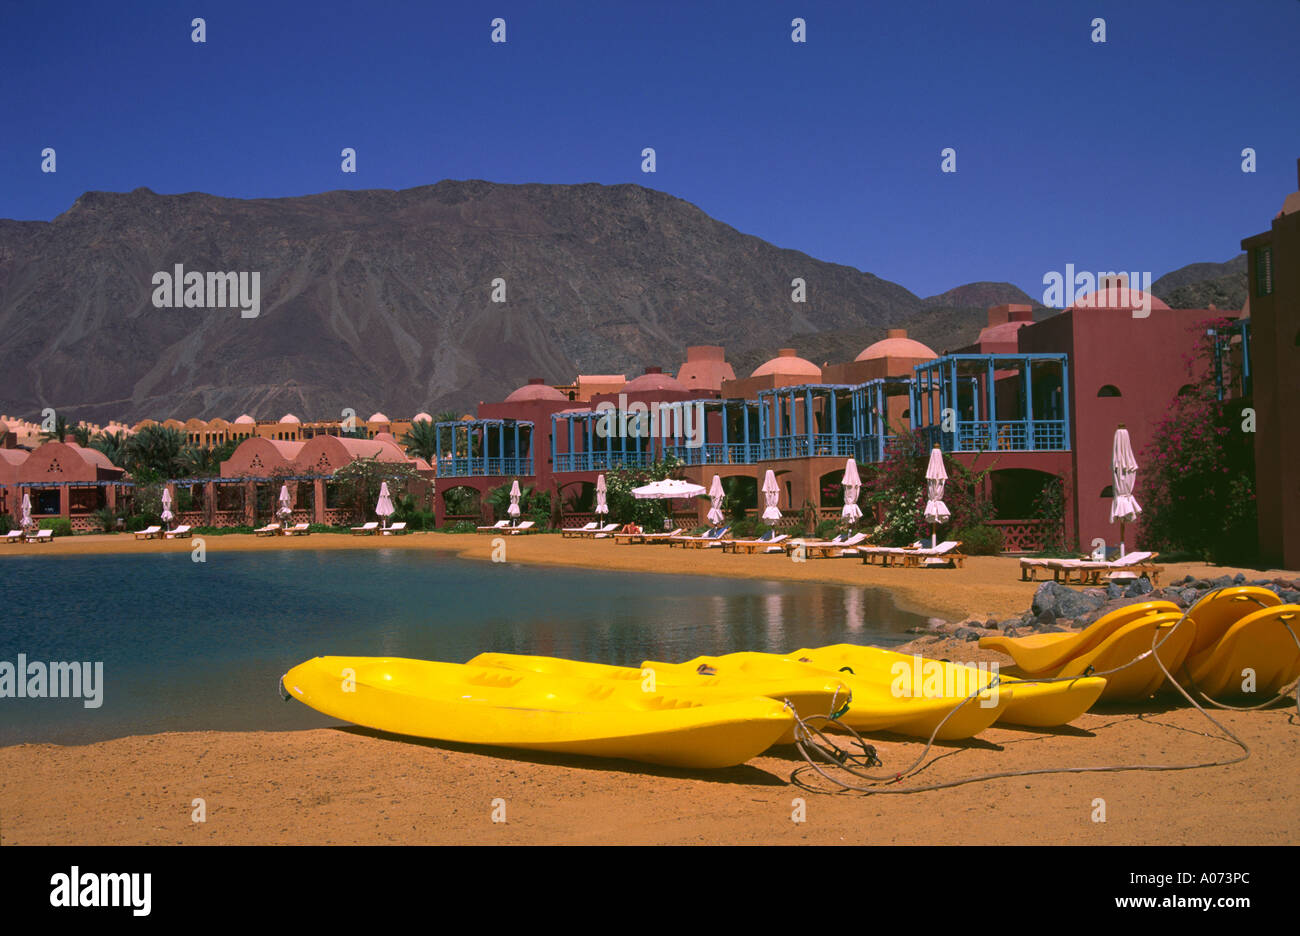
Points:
[(630, 528)]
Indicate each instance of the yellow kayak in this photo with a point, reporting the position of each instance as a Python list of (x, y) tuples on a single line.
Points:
[(1215, 615), (1256, 652), (1037, 654), (874, 707), (812, 693), (1127, 645), (535, 711), (1039, 705)]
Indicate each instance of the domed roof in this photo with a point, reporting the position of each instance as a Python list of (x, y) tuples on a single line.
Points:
[(896, 344), (535, 389), (421, 417), (654, 379), (289, 418), (378, 418), (788, 364), (1117, 297), (1003, 333), (244, 420)]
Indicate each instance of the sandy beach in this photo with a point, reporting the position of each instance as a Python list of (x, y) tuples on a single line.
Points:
[(347, 785)]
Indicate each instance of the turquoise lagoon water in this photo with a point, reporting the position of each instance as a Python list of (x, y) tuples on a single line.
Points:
[(192, 646)]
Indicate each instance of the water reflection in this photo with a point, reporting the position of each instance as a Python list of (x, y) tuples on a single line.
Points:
[(190, 646)]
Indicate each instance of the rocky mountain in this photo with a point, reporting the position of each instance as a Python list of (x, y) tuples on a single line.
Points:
[(1200, 285), (383, 300)]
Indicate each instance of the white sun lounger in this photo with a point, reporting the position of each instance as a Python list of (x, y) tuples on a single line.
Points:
[(152, 532), (366, 529), (499, 525), (14, 536), (44, 536), (181, 532)]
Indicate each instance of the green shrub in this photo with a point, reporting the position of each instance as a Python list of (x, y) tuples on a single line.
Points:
[(748, 528), (106, 519), (217, 531), (61, 526), (979, 540), (460, 526), (827, 528)]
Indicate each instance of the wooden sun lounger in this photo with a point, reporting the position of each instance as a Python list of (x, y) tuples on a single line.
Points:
[(526, 527), (366, 529), (270, 530), (298, 529), (14, 536), (750, 546), (494, 528), (1089, 572), (826, 549), (43, 536), (397, 529), (572, 532), (152, 532), (914, 557), (183, 531), (646, 537), (700, 542), (597, 533)]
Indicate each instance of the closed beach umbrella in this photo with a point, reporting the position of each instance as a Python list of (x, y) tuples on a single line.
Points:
[(167, 514), (513, 509), (852, 488), (771, 497), (716, 495), (384, 508), (286, 506), (936, 511), (601, 506), (1123, 469), (27, 510)]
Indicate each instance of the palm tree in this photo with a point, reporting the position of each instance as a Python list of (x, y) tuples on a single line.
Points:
[(58, 432), (155, 450), (422, 440), (112, 444)]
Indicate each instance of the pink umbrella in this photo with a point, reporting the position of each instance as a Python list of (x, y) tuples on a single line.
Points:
[(936, 511), (716, 494), (1123, 469), (515, 493), (601, 506), (852, 488), (771, 497)]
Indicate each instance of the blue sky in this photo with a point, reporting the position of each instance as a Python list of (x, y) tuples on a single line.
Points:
[(1123, 155)]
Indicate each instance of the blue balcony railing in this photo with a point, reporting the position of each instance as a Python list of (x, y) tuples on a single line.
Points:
[(1002, 435), (836, 444), (600, 461), (480, 467), (716, 453)]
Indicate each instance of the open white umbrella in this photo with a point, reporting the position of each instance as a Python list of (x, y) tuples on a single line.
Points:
[(384, 508), (513, 509), (601, 506), (852, 488), (27, 510), (167, 514), (936, 511), (668, 489), (716, 494), (771, 497), (1123, 468)]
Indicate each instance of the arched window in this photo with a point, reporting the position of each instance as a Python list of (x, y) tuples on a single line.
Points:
[(1186, 390), (1109, 390), (907, 413), (1108, 491)]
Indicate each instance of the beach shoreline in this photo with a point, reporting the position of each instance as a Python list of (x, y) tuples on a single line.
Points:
[(985, 587)]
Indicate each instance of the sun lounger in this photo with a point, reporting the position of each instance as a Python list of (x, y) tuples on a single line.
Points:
[(771, 544), (44, 536), (14, 536), (707, 540), (914, 556), (604, 532), (646, 537), (571, 532), (181, 532), (298, 529), (494, 528), (397, 529), (1089, 572), (270, 530), (152, 532), (841, 545), (525, 527)]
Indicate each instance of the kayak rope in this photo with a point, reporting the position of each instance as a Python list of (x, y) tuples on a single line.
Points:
[(814, 746)]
